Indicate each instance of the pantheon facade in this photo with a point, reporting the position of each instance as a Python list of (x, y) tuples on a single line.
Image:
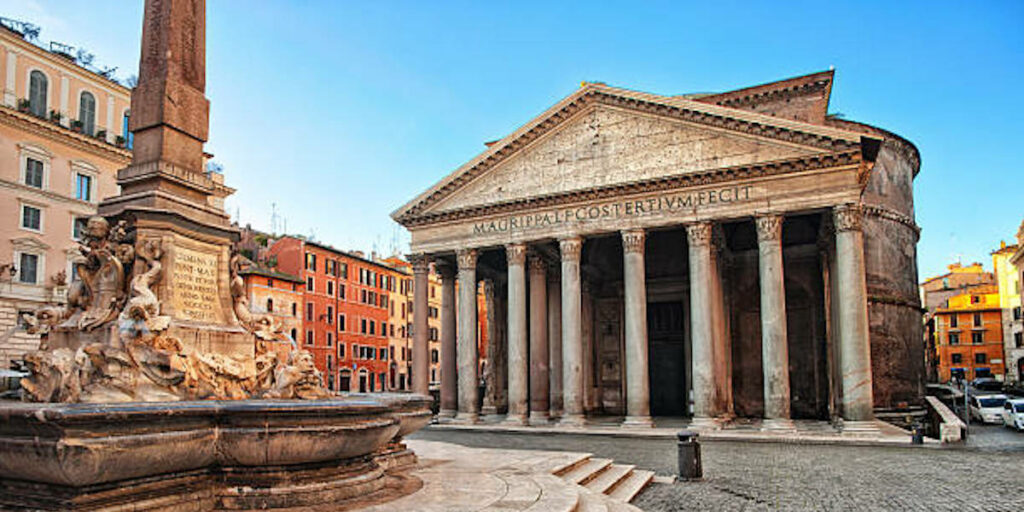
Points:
[(715, 256)]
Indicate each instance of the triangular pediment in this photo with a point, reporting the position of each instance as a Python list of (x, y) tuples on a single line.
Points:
[(609, 146), (602, 136)]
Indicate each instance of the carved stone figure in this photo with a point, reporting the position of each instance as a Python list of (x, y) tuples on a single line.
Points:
[(142, 361)]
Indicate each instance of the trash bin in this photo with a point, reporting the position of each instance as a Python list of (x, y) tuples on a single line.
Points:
[(689, 456), (917, 434)]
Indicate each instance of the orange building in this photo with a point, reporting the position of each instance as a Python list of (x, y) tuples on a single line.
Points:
[(969, 336), (346, 312), (278, 294)]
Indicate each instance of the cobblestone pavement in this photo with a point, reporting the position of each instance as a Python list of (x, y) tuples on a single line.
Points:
[(768, 476), (995, 438)]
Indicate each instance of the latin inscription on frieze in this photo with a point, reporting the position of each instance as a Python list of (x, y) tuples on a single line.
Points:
[(668, 203), (196, 294)]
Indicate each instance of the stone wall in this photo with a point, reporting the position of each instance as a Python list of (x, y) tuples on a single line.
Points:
[(14, 344), (890, 250)]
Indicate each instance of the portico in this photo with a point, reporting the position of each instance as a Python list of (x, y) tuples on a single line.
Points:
[(660, 256)]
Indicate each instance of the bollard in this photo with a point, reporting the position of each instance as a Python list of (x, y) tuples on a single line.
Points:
[(917, 434), (689, 456)]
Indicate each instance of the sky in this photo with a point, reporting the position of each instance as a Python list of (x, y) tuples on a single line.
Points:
[(332, 114)]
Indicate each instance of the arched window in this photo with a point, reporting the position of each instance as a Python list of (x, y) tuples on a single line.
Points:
[(126, 131), (37, 85), (270, 305), (87, 113)]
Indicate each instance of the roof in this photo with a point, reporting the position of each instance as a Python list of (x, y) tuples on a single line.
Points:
[(351, 255), (828, 138), (265, 272)]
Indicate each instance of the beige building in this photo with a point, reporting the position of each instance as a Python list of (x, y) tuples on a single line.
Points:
[(62, 139), (1015, 345), (706, 256)]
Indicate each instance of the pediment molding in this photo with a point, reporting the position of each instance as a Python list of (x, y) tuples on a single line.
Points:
[(27, 243), (850, 158), (825, 139)]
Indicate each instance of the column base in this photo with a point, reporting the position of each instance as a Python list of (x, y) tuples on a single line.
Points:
[(637, 422), (705, 423), (466, 418), (778, 425), (572, 421), (515, 420), (488, 410), (554, 413), (446, 415), (538, 418), (868, 428)]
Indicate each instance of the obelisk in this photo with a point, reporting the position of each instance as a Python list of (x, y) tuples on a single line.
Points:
[(166, 193)]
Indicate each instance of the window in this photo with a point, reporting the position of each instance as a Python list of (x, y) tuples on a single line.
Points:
[(28, 270), (357, 351), (83, 187), (958, 358), (1018, 339), (309, 284), (433, 334), (330, 288), (953, 321), (330, 358), (309, 311), (270, 305), (980, 358), (341, 291), (31, 218), (341, 323), (373, 327), (330, 339), (383, 329), (295, 334), (362, 326), (37, 88), (1016, 311), (330, 314), (34, 172), (975, 299), (341, 351), (270, 283), (87, 113), (78, 227), (954, 338), (295, 308), (977, 338), (433, 355), (977, 319), (309, 337), (129, 137), (311, 261)]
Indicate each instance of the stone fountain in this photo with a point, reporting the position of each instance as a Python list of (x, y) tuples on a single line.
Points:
[(154, 387)]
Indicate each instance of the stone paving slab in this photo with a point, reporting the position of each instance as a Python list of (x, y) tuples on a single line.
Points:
[(807, 432), (457, 478)]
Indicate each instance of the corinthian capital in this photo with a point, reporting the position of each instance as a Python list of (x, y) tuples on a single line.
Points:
[(769, 227), (515, 254), (467, 259), (847, 217), (537, 264), (699, 234), (633, 240), (420, 263), (571, 248)]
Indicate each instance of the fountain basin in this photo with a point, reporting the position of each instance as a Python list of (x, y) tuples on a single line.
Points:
[(70, 453)]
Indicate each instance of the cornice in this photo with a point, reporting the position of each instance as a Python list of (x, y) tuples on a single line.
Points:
[(741, 172), (883, 212), (673, 108), (64, 136), (774, 94), (66, 66), (82, 206)]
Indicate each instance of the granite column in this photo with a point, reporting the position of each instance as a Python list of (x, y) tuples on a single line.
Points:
[(638, 396), (572, 333), (774, 341), (518, 351), (854, 339), (468, 349), (539, 379), (449, 352), (420, 328)]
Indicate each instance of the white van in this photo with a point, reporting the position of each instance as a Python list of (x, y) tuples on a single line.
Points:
[(987, 408)]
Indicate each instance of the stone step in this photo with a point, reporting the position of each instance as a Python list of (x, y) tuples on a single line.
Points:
[(587, 471), (609, 478), (572, 464), (630, 486)]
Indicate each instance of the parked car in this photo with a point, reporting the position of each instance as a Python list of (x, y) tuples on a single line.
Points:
[(987, 385), (987, 408), (1013, 414)]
